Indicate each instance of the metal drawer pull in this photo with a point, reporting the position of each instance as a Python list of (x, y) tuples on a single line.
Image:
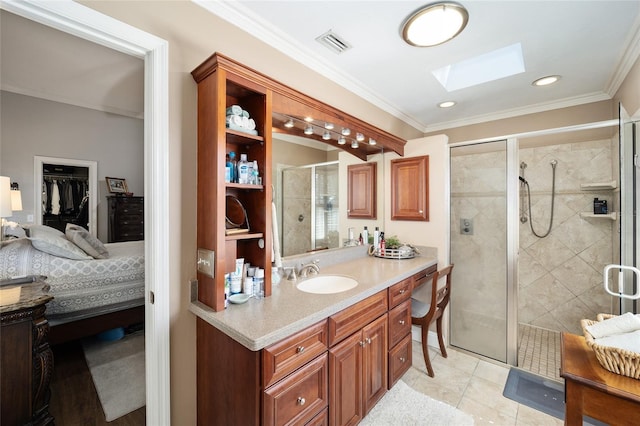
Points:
[(301, 400), (402, 359), (362, 344), (403, 291), (300, 349), (368, 340), (401, 322)]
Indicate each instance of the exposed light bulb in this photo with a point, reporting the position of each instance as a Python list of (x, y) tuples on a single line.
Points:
[(308, 130), (342, 140), (326, 135), (346, 131), (359, 137)]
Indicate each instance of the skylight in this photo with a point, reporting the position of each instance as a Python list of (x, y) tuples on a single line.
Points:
[(491, 66)]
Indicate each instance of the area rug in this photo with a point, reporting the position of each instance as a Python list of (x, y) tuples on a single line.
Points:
[(117, 369), (538, 393), (404, 406)]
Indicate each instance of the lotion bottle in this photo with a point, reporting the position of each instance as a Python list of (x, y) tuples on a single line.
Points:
[(376, 238), (365, 236)]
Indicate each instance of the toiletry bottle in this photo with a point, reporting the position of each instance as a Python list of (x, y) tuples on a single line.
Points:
[(234, 166), (254, 173), (243, 169), (227, 170), (376, 238), (382, 243), (258, 283), (365, 236)]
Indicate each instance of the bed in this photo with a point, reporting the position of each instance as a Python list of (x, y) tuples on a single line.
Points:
[(90, 294)]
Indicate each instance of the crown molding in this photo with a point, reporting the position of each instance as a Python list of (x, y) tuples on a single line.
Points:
[(516, 112), (629, 56)]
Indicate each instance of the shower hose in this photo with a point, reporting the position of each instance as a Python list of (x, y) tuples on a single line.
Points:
[(553, 196)]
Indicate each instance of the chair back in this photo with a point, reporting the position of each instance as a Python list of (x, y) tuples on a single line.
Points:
[(440, 296)]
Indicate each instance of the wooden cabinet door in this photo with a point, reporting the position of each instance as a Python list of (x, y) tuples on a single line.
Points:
[(374, 362), (345, 381), (361, 197), (410, 188)]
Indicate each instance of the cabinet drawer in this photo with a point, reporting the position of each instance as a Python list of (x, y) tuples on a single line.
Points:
[(352, 319), (399, 322), (399, 360), (400, 292), (299, 397), (321, 419), (286, 356), (424, 276)]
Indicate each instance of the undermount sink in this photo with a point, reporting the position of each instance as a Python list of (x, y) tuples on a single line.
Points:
[(327, 284)]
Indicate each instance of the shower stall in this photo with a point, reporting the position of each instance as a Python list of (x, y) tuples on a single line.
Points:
[(310, 207), (529, 250)]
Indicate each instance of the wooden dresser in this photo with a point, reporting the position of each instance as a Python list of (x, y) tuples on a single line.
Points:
[(126, 219), (26, 360)]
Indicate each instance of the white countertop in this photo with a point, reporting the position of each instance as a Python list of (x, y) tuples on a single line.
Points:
[(259, 323)]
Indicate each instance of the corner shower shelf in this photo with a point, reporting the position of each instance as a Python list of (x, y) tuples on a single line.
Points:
[(598, 186), (610, 216)]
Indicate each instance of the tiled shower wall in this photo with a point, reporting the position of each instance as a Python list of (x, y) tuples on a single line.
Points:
[(296, 211), (560, 276)]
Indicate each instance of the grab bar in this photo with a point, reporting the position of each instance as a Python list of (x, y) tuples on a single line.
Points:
[(620, 292)]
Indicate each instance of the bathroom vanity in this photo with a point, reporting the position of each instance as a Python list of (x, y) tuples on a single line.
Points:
[(302, 358)]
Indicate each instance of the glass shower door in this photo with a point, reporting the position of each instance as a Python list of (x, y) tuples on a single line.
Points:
[(480, 245)]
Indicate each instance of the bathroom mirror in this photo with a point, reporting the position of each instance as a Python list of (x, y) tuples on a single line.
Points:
[(310, 194)]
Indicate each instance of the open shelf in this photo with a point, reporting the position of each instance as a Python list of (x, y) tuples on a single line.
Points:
[(595, 186), (610, 216)]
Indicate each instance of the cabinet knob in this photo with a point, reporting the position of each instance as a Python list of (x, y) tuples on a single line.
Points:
[(420, 211), (403, 291), (401, 322), (300, 349), (301, 400), (362, 343), (402, 359)]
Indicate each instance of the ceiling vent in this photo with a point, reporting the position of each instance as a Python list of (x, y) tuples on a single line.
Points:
[(333, 42)]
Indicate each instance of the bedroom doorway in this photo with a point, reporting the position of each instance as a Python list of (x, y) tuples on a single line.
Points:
[(85, 23)]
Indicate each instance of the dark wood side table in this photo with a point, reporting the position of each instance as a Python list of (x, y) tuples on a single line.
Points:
[(26, 360), (593, 391)]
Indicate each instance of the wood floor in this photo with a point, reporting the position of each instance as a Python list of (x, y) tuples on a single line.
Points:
[(74, 400)]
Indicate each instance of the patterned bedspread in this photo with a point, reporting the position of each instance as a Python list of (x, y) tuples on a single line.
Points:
[(80, 284)]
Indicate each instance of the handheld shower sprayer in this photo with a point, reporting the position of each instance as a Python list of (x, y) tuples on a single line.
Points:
[(523, 217)]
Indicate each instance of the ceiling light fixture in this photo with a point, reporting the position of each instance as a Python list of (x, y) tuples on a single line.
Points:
[(289, 124), (308, 130), (359, 137), (447, 104), (326, 135), (342, 140), (545, 81), (308, 119), (372, 141), (355, 144), (328, 126), (435, 24), (346, 131)]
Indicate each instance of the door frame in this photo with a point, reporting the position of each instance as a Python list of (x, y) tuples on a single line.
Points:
[(86, 23)]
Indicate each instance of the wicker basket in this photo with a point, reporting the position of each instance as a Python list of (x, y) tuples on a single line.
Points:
[(616, 360)]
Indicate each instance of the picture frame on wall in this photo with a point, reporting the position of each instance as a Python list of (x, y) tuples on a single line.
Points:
[(116, 185)]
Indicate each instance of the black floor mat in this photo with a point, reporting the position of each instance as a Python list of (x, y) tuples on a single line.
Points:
[(539, 393)]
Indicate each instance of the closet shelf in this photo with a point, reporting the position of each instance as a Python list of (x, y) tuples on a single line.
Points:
[(598, 186), (610, 216)]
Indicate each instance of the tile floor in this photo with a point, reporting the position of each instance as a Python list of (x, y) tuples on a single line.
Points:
[(474, 386), (539, 351)]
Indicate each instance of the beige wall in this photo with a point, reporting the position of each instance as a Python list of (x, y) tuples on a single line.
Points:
[(629, 92)]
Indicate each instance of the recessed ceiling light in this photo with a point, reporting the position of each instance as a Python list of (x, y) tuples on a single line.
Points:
[(447, 104), (545, 81), (434, 24)]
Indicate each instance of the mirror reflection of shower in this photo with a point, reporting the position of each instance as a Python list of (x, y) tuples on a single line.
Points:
[(524, 184)]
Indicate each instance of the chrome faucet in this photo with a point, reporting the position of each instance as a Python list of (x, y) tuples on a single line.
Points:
[(309, 268), (290, 272)]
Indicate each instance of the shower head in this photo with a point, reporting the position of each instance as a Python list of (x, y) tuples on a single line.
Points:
[(523, 180)]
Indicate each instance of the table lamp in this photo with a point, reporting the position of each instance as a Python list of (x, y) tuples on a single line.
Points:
[(5, 202), (16, 197)]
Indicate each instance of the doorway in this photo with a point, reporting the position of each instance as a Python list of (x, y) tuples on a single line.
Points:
[(88, 24)]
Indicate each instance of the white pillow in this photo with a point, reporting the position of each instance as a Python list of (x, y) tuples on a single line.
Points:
[(87, 242), (13, 229), (54, 242)]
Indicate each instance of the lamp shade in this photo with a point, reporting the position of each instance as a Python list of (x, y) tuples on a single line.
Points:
[(16, 200), (5, 196)]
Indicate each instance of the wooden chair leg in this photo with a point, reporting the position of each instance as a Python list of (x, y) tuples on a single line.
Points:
[(425, 350), (443, 350)]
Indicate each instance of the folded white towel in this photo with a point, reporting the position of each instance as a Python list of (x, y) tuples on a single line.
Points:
[(235, 120), (245, 113), (234, 110), (627, 341), (252, 124), (245, 123), (625, 323)]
